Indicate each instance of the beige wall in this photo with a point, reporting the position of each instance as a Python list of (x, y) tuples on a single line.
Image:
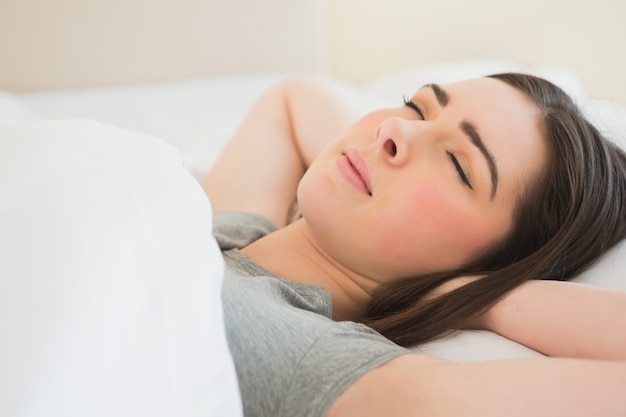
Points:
[(75, 43), (48, 44), (586, 37)]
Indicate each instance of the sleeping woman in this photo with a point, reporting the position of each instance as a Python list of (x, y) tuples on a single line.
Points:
[(467, 206)]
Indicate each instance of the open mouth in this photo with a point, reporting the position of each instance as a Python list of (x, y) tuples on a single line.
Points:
[(354, 169)]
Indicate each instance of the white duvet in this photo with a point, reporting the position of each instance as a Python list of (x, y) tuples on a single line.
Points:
[(110, 278)]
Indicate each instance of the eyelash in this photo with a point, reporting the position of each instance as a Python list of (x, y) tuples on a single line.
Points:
[(460, 170), (409, 103), (462, 174)]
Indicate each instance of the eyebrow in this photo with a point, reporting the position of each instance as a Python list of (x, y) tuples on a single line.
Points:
[(443, 98), (470, 130)]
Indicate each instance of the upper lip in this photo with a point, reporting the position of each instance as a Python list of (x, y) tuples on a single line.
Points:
[(360, 165)]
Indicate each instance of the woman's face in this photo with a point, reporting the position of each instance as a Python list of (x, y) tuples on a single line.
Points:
[(426, 186)]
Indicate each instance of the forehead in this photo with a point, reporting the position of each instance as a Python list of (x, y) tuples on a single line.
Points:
[(509, 124), (490, 91)]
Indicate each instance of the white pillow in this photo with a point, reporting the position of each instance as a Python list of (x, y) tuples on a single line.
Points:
[(405, 81), (110, 297)]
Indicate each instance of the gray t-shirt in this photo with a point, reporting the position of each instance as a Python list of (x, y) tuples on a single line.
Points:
[(292, 359)]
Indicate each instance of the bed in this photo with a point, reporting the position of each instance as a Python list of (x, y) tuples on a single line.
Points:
[(105, 306)]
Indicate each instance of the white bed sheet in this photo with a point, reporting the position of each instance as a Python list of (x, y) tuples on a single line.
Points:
[(110, 291)]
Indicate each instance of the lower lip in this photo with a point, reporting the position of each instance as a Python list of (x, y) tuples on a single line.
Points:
[(351, 174)]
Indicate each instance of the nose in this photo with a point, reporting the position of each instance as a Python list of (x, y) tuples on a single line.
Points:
[(395, 135)]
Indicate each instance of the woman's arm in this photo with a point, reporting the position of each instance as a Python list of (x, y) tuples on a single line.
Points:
[(261, 166), (563, 319), (414, 385)]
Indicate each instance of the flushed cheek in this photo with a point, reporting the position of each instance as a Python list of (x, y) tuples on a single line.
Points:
[(429, 231)]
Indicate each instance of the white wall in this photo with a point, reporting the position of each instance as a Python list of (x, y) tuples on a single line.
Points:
[(587, 37)]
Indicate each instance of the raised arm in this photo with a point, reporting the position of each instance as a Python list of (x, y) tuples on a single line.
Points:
[(583, 323), (261, 166), (563, 319), (414, 386)]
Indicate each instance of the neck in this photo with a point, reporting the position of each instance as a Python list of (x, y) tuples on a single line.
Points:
[(292, 253)]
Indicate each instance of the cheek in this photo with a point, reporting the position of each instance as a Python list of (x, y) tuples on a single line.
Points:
[(432, 230)]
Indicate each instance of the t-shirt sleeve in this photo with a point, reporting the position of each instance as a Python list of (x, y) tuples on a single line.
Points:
[(332, 364)]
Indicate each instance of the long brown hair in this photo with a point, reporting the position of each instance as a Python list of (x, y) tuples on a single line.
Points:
[(572, 213)]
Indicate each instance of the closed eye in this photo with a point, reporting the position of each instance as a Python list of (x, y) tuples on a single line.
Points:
[(409, 103), (459, 169)]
